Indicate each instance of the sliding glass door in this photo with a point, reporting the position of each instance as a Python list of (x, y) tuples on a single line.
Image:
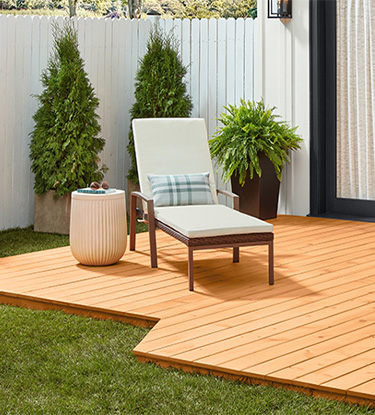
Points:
[(344, 105)]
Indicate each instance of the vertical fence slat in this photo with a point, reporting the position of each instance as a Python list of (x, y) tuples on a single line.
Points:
[(126, 69), (212, 76), (239, 61), (106, 93), (21, 141), (195, 67), (231, 61), (118, 88), (249, 60), (5, 141), (186, 50), (11, 164), (203, 70), (221, 85)]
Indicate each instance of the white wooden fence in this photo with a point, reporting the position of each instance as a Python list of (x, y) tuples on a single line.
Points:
[(220, 55)]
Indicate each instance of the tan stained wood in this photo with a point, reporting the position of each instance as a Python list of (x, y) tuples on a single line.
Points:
[(313, 331)]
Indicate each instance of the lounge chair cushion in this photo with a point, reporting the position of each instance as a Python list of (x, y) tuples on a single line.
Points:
[(172, 146), (201, 221), (181, 189)]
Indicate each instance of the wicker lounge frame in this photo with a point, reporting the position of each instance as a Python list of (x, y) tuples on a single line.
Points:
[(234, 241)]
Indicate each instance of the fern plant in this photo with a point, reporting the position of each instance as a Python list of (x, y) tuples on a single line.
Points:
[(247, 132), (64, 145), (160, 90)]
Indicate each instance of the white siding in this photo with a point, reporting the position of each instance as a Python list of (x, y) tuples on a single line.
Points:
[(219, 54), (283, 75)]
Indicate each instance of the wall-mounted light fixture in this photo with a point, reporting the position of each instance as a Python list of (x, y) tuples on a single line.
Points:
[(279, 9)]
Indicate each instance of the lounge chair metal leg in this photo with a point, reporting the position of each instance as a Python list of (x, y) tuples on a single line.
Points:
[(191, 269), (236, 254), (152, 234), (152, 238), (270, 264), (133, 221)]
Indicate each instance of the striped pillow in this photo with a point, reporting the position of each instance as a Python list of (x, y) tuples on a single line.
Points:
[(181, 189)]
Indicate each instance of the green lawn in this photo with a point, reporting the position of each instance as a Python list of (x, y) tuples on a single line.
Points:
[(55, 363), (19, 241)]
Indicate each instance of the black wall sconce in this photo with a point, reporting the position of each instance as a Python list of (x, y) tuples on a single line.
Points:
[(279, 9)]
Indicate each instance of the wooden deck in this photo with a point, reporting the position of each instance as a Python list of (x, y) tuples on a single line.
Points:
[(313, 331)]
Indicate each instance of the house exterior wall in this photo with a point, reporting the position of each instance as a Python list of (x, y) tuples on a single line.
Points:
[(283, 81)]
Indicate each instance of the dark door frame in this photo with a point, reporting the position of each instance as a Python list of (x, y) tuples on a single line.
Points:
[(322, 100), (323, 199)]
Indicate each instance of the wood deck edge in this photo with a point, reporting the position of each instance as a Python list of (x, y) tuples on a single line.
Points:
[(35, 303), (254, 379)]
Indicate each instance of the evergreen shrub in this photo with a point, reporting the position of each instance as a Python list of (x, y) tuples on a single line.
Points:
[(160, 90), (64, 144)]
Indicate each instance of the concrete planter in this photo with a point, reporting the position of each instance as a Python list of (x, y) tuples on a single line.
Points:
[(50, 215)]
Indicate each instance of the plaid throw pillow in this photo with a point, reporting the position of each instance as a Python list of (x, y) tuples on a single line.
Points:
[(181, 189)]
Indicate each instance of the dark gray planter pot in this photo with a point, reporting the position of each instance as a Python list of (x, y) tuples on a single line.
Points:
[(50, 215), (259, 196)]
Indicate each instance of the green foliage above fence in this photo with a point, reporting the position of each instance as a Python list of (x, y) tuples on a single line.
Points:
[(179, 9), (201, 8)]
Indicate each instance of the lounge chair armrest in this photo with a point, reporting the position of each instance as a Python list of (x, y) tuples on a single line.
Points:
[(142, 196), (235, 198), (149, 202)]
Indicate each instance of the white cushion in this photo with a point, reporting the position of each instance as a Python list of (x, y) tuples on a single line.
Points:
[(172, 146), (210, 220)]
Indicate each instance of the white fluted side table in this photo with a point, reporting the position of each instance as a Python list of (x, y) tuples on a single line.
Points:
[(98, 228)]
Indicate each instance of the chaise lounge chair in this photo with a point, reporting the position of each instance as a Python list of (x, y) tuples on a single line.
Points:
[(179, 193)]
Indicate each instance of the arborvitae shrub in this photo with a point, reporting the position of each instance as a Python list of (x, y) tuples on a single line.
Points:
[(160, 91), (64, 144)]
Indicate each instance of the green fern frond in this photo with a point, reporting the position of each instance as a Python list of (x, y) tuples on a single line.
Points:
[(247, 132)]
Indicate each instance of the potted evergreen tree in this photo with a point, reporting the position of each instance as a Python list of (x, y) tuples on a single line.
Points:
[(160, 90), (64, 144), (252, 147)]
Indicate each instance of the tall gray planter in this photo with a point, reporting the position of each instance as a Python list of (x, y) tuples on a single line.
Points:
[(52, 215)]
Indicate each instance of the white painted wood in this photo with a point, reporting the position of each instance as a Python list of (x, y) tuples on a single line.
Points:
[(249, 87), (212, 77), (118, 120), (22, 74), (231, 61), (186, 50), (111, 50), (4, 142), (239, 60), (203, 70), (128, 93), (195, 66), (11, 147), (283, 81), (222, 84)]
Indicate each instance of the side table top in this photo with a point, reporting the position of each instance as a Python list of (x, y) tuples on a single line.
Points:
[(97, 196)]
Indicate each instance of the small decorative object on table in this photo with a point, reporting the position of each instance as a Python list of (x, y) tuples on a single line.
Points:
[(95, 188), (98, 228)]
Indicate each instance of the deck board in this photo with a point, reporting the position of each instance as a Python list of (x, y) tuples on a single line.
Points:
[(312, 331)]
